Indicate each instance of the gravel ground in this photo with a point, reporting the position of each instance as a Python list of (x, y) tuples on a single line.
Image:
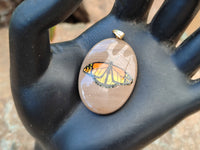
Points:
[(13, 136)]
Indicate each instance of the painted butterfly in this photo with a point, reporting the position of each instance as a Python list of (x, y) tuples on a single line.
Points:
[(107, 74)]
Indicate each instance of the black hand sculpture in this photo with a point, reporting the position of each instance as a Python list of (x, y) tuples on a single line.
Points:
[(44, 79)]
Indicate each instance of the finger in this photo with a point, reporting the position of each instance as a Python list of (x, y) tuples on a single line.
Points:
[(173, 18), (187, 55), (29, 41), (132, 9), (29, 59)]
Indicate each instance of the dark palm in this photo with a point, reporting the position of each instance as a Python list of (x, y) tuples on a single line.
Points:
[(45, 83)]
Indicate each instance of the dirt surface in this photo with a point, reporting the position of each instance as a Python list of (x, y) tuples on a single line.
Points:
[(13, 136), (6, 9)]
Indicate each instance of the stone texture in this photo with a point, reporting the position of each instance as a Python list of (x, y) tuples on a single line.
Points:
[(6, 9), (114, 62), (13, 136), (184, 136)]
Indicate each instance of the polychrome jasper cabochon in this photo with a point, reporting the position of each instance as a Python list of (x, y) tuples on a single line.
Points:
[(107, 76)]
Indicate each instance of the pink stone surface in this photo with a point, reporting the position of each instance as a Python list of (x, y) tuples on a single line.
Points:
[(117, 72), (13, 136)]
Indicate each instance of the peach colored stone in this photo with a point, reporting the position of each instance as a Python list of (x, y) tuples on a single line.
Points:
[(107, 76)]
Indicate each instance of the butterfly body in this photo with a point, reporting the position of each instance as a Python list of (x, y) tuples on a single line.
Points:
[(107, 75)]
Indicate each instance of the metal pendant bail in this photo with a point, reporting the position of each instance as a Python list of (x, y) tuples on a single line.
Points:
[(119, 34)]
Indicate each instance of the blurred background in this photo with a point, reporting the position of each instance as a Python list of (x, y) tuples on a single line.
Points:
[(13, 136)]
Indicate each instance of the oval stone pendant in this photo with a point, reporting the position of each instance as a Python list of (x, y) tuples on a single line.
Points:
[(108, 75)]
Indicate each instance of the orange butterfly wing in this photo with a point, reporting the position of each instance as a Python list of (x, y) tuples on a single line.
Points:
[(109, 75)]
